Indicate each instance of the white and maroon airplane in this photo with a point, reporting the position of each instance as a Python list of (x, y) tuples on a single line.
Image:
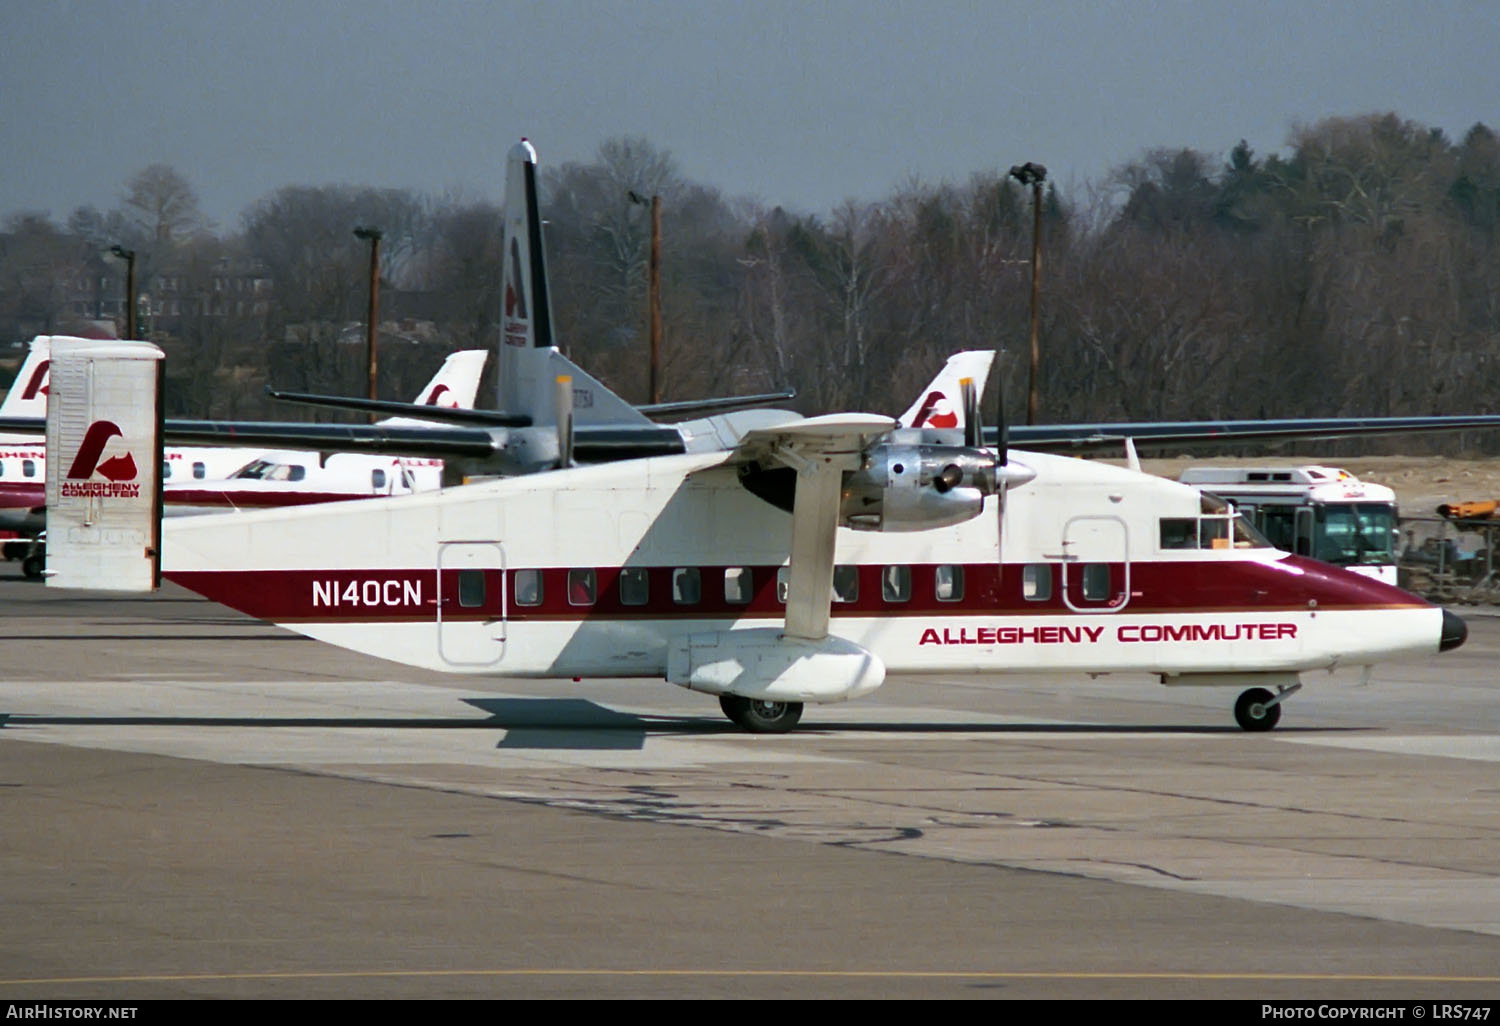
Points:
[(804, 565)]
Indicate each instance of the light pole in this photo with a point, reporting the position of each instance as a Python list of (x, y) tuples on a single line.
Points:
[(1033, 175), (373, 320), (128, 255), (653, 288)]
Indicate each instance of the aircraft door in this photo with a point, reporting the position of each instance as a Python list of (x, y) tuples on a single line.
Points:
[(1096, 564), (471, 608)]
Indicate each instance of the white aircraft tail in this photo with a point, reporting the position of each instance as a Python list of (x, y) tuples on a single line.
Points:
[(454, 386), (940, 404), (28, 393), (104, 477), (530, 362)]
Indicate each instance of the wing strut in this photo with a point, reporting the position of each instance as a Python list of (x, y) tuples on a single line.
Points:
[(815, 519)]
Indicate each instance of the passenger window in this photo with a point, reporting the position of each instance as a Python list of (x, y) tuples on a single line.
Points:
[(1096, 582), (528, 587), (166, 471), (635, 586), (1213, 533), (471, 588), (895, 583), (377, 479), (1179, 532), (783, 575), (737, 585), (200, 471), (846, 584), (1036, 582), (28, 468), (687, 587), (950, 583), (581, 587)]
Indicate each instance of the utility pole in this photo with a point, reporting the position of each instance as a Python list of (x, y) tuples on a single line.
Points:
[(1033, 175), (653, 290), (372, 325), (128, 255)]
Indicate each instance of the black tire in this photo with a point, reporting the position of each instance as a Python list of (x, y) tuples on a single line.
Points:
[(32, 566), (1252, 713), (759, 717)]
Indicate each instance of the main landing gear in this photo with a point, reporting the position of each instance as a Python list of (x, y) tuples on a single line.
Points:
[(760, 717), (1258, 709), (34, 562)]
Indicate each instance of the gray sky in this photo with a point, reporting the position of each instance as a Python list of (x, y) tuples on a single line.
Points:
[(802, 104)]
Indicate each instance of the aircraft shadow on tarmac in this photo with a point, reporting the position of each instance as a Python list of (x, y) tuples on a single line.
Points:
[(579, 724)]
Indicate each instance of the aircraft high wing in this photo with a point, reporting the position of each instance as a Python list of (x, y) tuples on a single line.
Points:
[(1104, 437)]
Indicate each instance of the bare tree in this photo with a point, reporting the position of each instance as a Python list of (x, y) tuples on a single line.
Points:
[(162, 205)]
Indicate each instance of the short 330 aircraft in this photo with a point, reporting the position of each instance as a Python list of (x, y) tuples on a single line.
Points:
[(802, 566)]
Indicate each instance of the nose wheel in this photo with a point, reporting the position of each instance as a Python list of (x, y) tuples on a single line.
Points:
[(760, 717), (1258, 709)]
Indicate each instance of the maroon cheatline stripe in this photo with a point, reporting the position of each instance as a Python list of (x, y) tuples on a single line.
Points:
[(411, 594), (21, 495), (232, 499)]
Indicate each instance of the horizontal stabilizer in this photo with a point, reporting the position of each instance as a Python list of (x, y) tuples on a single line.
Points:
[(418, 411), (695, 406)]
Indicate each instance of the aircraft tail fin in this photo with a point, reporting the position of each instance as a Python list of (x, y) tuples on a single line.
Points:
[(104, 479), (457, 381), (453, 387), (940, 404), (28, 393), (530, 361)]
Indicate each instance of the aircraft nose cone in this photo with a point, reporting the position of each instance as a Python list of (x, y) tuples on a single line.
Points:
[(1455, 632)]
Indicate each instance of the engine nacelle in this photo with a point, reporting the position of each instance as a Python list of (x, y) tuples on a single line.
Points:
[(918, 487), (764, 664)]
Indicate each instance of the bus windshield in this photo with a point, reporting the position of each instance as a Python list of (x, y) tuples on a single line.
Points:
[(1355, 534)]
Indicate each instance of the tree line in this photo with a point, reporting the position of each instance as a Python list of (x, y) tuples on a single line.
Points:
[(1355, 273)]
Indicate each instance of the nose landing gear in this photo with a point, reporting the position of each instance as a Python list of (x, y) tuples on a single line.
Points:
[(1258, 709)]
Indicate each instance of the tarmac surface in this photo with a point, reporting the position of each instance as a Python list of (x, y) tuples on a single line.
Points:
[(198, 805)]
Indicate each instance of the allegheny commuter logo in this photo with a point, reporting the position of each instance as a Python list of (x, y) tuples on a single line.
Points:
[(119, 472), (936, 412), (438, 393), (37, 385), (515, 300)]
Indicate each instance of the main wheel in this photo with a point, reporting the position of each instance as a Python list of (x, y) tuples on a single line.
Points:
[(33, 565), (1252, 712), (760, 717)]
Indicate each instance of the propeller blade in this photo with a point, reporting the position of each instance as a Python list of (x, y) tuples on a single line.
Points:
[(1002, 430), (1002, 456), (564, 420), (973, 429)]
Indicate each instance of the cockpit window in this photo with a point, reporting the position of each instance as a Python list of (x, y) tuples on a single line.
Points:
[(268, 470), (1247, 537), (1221, 529)]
